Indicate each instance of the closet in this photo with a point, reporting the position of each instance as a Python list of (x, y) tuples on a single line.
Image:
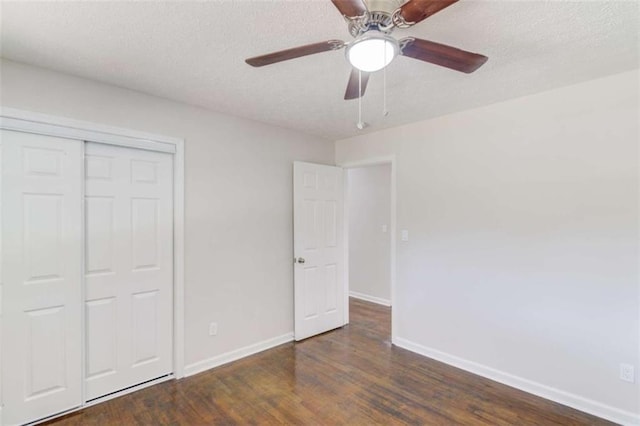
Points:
[(86, 271)]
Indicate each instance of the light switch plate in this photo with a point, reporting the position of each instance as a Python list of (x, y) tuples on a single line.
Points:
[(213, 329), (405, 235), (384, 228)]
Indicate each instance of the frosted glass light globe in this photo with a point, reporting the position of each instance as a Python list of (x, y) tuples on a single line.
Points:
[(372, 51)]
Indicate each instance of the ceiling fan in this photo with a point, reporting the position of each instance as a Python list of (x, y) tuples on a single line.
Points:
[(371, 23)]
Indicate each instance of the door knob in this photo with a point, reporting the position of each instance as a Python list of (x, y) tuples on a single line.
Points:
[(300, 260)]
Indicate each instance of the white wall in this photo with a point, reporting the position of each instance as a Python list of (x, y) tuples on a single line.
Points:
[(369, 201), (238, 207), (522, 262)]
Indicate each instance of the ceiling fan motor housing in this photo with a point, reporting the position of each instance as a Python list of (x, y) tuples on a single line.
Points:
[(378, 17)]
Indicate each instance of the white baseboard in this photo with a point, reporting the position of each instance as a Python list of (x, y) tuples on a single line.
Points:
[(565, 398), (372, 299), (206, 364)]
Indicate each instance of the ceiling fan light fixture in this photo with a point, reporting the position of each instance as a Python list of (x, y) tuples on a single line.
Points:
[(372, 51)]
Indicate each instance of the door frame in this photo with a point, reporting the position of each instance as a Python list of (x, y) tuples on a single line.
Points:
[(373, 161), (84, 131)]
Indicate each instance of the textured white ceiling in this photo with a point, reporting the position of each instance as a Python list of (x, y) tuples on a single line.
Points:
[(194, 52)]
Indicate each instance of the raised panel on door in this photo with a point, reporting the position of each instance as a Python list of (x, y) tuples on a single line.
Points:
[(331, 290), (45, 353), (43, 237), (318, 240), (144, 233), (99, 231), (101, 337), (41, 267), (309, 287), (129, 267), (145, 309)]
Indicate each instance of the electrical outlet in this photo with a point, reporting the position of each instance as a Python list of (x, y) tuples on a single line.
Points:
[(213, 329), (627, 373)]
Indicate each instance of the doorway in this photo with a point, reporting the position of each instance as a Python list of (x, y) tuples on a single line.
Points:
[(370, 232)]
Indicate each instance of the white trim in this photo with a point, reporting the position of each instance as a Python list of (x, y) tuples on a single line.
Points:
[(565, 398), (82, 274), (375, 161), (345, 238), (216, 361), (31, 122), (372, 299), (178, 260), (394, 243)]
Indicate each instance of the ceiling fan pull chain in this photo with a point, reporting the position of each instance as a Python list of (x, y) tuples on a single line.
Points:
[(385, 112), (360, 124)]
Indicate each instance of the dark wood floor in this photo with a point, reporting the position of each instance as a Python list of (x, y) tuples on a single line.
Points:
[(348, 376)]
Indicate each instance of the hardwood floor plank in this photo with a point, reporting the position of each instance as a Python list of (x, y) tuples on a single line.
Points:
[(349, 376)]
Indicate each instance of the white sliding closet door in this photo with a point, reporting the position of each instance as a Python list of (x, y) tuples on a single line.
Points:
[(128, 267), (41, 267)]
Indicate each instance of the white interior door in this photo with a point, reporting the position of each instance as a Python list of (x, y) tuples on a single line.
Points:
[(319, 249), (128, 267), (41, 267)]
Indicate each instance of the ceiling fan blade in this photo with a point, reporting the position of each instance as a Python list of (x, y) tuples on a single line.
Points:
[(441, 54), (353, 91), (350, 8), (296, 52), (415, 11)]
